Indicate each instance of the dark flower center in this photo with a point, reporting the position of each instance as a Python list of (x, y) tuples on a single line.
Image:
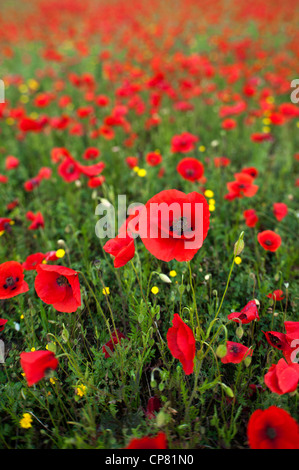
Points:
[(234, 349), (190, 172), (70, 169), (275, 341), (10, 282), (243, 316), (268, 242), (181, 226), (62, 281), (271, 433)]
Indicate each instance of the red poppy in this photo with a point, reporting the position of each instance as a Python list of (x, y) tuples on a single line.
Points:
[(12, 280), (36, 364), (45, 173), (153, 158), (280, 210), (2, 323), (122, 248), (261, 137), (168, 227), (91, 153), (36, 219), (69, 171), (221, 162), (236, 352), (190, 169), (269, 240), (3, 179), (228, 124), (58, 286), (181, 342), (292, 329), (183, 143), (158, 442), (96, 181), (276, 339), (242, 186), (5, 225), (153, 406), (11, 162), (31, 184), (282, 377), (251, 219), (276, 295), (132, 162), (32, 261), (251, 171), (247, 314), (272, 428), (114, 340)]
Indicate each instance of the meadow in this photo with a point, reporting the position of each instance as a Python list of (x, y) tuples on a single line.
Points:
[(112, 341)]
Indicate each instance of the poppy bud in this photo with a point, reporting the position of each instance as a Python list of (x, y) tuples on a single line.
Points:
[(239, 332), (239, 246), (165, 278), (221, 351)]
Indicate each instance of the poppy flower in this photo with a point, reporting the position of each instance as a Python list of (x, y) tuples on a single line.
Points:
[(236, 352), (190, 169), (3, 179), (242, 186), (247, 314), (273, 428), (276, 340), (31, 184), (91, 153), (228, 124), (282, 377), (58, 286), (269, 240), (12, 280), (183, 143), (251, 218), (169, 226), (261, 137), (276, 295), (36, 364), (280, 210), (36, 219), (292, 329), (153, 406), (69, 171), (5, 225), (11, 162), (181, 343), (153, 158), (251, 171), (221, 162), (32, 261), (96, 181), (2, 323), (123, 249), (158, 442), (132, 162), (114, 340)]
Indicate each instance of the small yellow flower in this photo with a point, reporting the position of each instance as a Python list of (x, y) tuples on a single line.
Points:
[(26, 421), (201, 148), (212, 207), (44, 261), (10, 121), (33, 84), (208, 193), (33, 115), (60, 253), (238, 260), (270, 99), (53, 380), (155, 290), (32, 349), (136, 169), (141, 173), (106, 290), (24, 99), (266, 129), (22, 317), (172, 273), (23, 88), (266, 121), (81, 390), (297, 123), (212, 202)]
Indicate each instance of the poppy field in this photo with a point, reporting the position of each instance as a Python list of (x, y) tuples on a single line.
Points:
[(149, 173)]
